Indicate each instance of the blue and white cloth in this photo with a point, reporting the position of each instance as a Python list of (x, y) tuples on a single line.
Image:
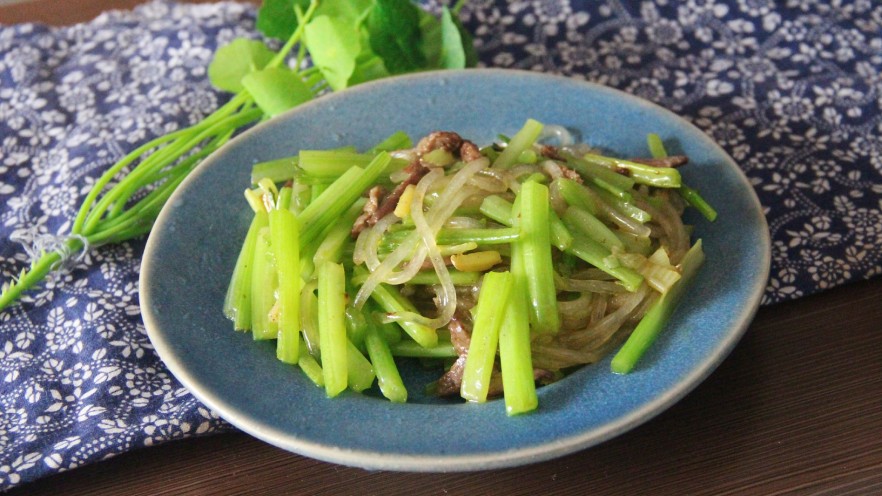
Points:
[(792, 90)]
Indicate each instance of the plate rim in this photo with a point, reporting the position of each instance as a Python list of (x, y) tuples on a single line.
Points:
[(369, 459)]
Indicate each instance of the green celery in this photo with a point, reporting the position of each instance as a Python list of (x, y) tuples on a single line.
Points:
[(658, 315), (577, 195), (408, 348), (263, 287), (515, 357), (278, 170), (338, 235), (399, 140), (596, 254), (284, 233), (499, 209), (391, 301), (360, 371), (310, 366), (693, 198), (609, 180), (535, 246), (489, 314), (339, 196), (579, 220), (331, 163), (659, 177), (332, 329), (388, 377), (237, 304), (522, 140)]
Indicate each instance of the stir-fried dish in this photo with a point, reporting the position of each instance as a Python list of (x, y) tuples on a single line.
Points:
[(510, 263)]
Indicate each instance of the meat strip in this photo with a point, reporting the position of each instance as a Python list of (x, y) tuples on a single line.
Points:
[(369, 211)]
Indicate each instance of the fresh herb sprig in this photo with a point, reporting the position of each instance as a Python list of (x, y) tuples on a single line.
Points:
[(348, 41)]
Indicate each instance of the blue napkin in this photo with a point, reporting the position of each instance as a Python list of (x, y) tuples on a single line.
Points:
[(791, 90)]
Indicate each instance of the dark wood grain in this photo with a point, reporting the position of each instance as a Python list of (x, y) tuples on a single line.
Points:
[(795, 409)]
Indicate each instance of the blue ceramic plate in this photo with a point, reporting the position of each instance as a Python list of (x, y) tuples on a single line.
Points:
[(194, 245)]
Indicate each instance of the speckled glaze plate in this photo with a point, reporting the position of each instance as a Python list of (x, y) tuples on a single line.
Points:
[(193, 248)]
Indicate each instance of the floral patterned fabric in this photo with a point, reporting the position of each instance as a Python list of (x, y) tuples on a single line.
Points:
[(792, 90)]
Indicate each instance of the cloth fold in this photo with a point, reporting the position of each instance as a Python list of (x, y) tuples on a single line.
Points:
[(792, 90)]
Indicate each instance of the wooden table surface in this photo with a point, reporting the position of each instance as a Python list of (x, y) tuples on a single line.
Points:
[(795, 409)]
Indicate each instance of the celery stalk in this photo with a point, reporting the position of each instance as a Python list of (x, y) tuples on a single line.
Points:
[(359, 369), (407, 348), (490, 311), (332, 329), (284, 233), (596, 254), (310, 366), (522, 140), (338, 197), (263, 287), (499, 209), (659, 177), (391, 301), (237, 304), (535, 246), (515, 357), (388, 377), (657, 316), (590, 226)]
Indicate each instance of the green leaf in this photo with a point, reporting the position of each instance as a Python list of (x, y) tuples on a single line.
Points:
[(276, 18), (368, 68), (276, 89), (235, 60), (452, 53), (430, 29), (348, 10), (334, 46), (468, 42), (394, 27)]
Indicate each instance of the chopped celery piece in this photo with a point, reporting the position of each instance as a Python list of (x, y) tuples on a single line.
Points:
[(388, 377), (359, 369), (331, 163), (515, 358), (605, 178), (596, 254), (656, 146), (535, 246), (277, 171), (499, 209), (694, 199), (332, 328), (590, 226), (490, 311), (263, 287), (338, 197), (407, 348), (310, 366), (659, 177), (577, 195), (284, 233), (391, 301), (337, 236), (399, 140), (658, 315), (237, 304), (522, 140)]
